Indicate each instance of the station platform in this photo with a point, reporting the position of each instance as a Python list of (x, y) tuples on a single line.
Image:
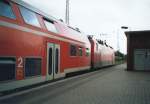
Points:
[(113, 85)]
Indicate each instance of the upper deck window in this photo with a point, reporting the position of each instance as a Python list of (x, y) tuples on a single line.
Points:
[(50, 25), (96, 46), (73, 31), (29, 16), (6, 10)]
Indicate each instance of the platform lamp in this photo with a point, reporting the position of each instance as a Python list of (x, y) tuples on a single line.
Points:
[(124, 27)]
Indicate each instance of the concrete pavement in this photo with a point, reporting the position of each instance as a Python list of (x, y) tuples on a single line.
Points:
[(111, 85)]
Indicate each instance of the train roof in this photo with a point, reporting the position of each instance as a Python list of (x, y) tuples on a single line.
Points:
[(28, 6), (32, 8), (77, 35), (99, 41)]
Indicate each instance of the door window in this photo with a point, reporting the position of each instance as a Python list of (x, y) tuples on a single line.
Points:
[(56, 60), (50, 64)]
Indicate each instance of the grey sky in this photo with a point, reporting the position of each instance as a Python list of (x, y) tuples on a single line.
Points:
[(101, 16)]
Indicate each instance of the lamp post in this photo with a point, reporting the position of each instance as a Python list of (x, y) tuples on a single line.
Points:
[(125, 28), (67, 12), (118, 47)]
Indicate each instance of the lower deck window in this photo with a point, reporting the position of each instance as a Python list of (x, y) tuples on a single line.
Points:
[(87, 52), (80, 51), (32, 67), (73, 50), (7, 68)]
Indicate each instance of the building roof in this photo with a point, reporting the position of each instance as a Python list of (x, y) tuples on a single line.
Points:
[(137, 32)]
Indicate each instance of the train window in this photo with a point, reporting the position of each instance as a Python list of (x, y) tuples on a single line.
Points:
[(96, 46), (29, 16), (32, 67), (50, 25), (6, 10), (80, 51), (73, 31), (73, 50), (87, 52), (7, 68)]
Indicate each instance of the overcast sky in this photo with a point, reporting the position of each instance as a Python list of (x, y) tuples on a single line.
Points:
[(101, 16)]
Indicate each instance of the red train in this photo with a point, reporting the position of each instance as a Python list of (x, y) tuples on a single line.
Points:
[(35, 47), (101, 54)]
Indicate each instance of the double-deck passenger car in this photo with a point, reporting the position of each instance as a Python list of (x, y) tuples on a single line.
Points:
[(101, 54), (36, 47)]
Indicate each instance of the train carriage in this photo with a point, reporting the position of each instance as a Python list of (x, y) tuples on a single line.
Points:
[(101, 54), (36, 47)]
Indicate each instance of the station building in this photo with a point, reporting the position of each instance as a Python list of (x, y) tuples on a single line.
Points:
[(138, 50)]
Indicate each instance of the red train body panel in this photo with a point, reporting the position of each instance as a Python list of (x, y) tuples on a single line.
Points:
[(101, 54), (32, 54)]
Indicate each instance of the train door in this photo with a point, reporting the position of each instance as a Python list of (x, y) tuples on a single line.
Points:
[(53, 61), (142, 59), (147, 60), (139, 59)]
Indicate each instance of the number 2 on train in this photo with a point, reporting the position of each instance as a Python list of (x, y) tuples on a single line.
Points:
[(20, 62)]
